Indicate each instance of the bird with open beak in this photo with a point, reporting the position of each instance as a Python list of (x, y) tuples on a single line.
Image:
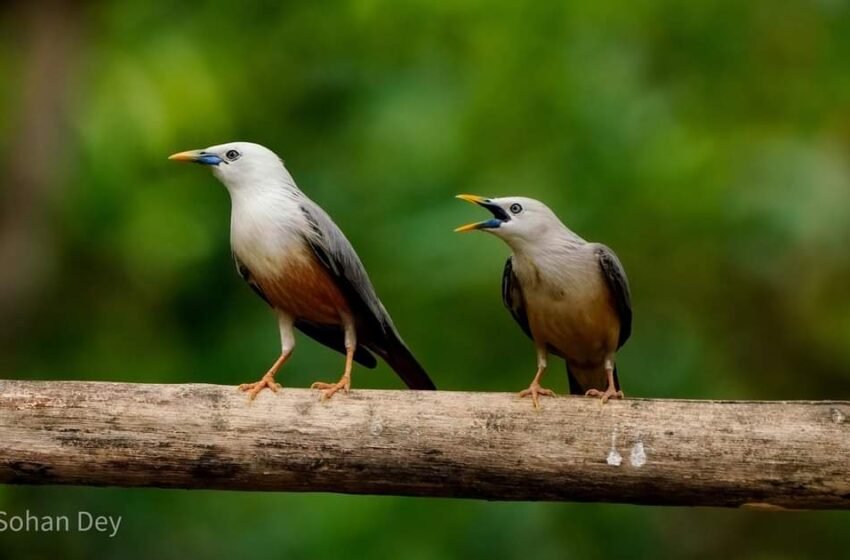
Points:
[(571, 297), (293, 255)]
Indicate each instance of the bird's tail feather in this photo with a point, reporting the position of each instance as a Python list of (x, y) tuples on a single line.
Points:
[(575, 388), (581, 380), (399, 357)]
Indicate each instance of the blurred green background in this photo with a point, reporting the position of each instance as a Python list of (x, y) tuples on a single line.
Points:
[(708, 143)]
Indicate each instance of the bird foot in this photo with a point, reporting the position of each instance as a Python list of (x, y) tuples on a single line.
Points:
[(253, 389), (609, 393), (535, 390), (329, 389)]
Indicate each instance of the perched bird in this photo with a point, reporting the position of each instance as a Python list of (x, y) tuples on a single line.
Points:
[(571, 297), (292, 255)]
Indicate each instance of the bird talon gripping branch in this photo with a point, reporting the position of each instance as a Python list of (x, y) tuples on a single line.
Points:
[(254, 389), (328, 390), (294, 256), (536, 391), (605, 395), (569, 296)]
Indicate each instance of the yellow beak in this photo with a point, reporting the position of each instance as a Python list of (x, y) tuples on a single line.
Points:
[(486, 203), (473, 198), (191, 155), (468, 227), (197, 156)]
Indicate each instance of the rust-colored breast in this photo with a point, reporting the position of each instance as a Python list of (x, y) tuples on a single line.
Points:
[(303, 288)]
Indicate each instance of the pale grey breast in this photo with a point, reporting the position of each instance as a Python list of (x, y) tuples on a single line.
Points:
[(569, 305)]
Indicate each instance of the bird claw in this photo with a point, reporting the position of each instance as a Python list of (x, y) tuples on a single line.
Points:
[(329, 389), (608, 393), (253, 389), (535, 390)]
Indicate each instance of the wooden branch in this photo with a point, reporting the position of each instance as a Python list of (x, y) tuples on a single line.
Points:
[(476, 445)]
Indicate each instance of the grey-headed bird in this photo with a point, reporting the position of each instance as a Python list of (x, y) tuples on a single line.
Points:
[(571, 297), (292, 255)]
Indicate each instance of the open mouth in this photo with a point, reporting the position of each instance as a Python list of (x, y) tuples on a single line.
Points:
[(499, 214)]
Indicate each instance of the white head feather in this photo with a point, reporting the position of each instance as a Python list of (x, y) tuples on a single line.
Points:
[(266, 220), (246, 166)]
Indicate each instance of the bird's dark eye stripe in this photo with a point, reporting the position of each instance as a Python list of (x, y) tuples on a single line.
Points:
[(516, 208), (232, 155)]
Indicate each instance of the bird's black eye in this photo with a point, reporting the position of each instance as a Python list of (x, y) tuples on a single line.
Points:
[(232, 155), (516, 208)]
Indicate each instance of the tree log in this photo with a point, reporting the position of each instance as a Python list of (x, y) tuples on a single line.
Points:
[(493, 446)]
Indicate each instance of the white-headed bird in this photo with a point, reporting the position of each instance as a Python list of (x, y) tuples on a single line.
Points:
[(571, 297), (292, 255)]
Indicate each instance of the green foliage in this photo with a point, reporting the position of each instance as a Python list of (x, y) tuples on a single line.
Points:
[(706, 143)]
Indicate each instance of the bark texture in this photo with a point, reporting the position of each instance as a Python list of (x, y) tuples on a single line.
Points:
[(476, 445)]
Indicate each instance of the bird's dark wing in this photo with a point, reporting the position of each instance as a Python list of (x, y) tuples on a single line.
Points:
[(512, 296), (249, 278), (618, 284), (334, 337), (375, 329)]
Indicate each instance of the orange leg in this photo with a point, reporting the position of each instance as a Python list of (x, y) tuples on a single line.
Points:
[(344, 383), (535, 390), (267, 381), (611, 392)]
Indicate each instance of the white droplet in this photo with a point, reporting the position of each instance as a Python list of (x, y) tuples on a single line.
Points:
[(614, 458), (638, 456)]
